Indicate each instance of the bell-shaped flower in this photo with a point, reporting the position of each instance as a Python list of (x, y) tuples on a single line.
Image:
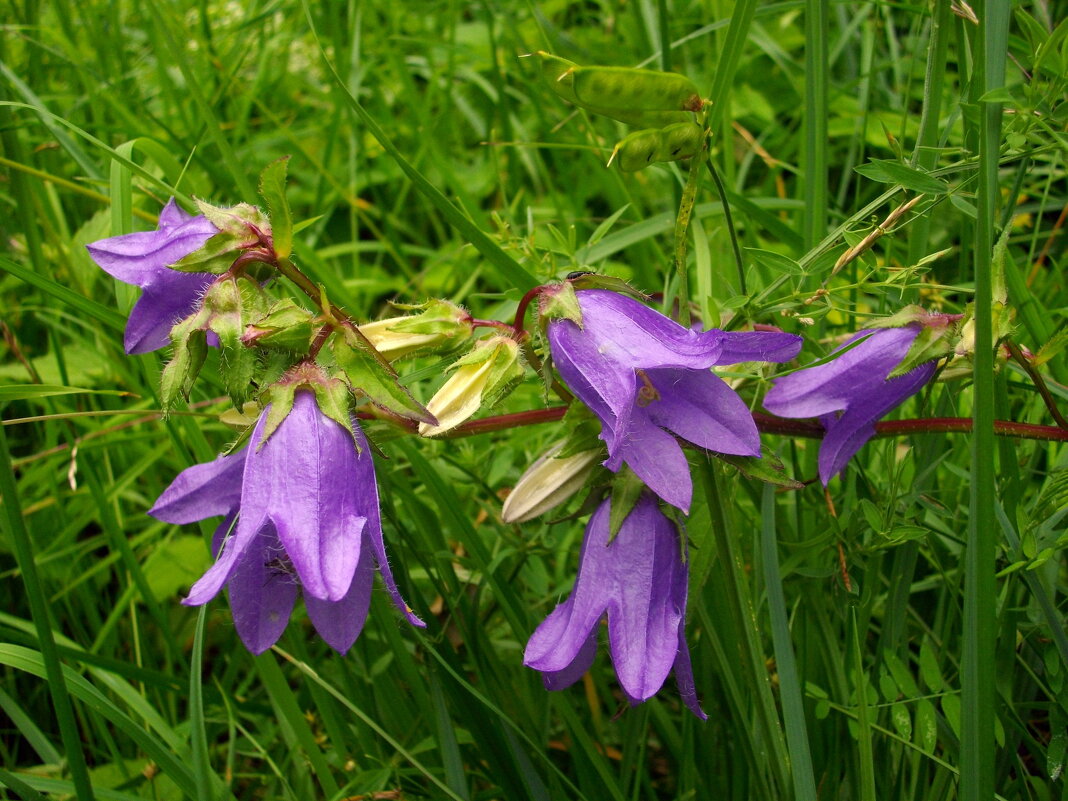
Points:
[(142, 259), (647, 379), (638, 581), (852, 392), (307, 519)]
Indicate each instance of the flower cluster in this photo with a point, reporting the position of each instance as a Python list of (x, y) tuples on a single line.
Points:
[(299, 499)]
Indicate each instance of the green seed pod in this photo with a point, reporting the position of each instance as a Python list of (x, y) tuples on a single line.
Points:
[(680, 141), (638, 150), (621, 88), (559, 75)]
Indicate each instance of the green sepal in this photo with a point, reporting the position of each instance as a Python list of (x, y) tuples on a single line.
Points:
[(767, 468), (435, 317), (559, 302), (370, 375), (598, 281), (182, 370), (280, 396), (335, 402), (627, 489), (931, 343), (239, 220), (273, 191), (216, 256), (230, 303), (582, 429), (286, 326)]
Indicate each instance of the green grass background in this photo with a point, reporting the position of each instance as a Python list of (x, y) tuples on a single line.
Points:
[(900, 638)]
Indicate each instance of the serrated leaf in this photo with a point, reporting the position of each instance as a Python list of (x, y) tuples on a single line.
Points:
[(273, 192), (767, 468), (373, 378), (334, 401), (892, 172)]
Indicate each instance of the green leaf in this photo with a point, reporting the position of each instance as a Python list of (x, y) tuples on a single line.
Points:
[(29, 391), (373, 378), (627, 489), (767, 468), (273, 192), (892, 172)]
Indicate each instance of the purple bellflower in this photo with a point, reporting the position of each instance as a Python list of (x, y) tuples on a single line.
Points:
[(307, 518), (646, 377), (638, 580), (142, 259), (850, 394)]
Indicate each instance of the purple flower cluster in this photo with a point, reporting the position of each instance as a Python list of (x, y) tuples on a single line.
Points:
[(300, 503)]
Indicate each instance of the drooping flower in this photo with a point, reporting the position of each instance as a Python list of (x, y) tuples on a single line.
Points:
[(646, 378), (850, 394), (142, 259), (307, 519), (639, 581)]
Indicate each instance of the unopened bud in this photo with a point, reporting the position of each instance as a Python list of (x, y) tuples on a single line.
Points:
[(440, 327), (547, 483), (481, 378)]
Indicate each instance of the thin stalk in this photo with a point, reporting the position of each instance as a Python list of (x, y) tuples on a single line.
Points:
[(744, 614), (814, 169), (682, 226), (38, 601), (721, 190), (793, 699), (978, 698)]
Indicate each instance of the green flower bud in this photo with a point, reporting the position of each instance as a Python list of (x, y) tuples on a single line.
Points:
[(440, 327)]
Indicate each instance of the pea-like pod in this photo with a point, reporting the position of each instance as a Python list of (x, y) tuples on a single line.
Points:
[(638, 150), (624, 89), (680, 141), (559, 75)]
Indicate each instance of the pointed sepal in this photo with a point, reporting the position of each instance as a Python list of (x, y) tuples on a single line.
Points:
[(370, 375)]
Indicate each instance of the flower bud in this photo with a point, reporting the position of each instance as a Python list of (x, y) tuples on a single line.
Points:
[(440, 327), (547, 483), (481, 378)]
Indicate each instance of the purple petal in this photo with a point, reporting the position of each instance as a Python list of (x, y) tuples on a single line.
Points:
[(847, 434), (684, 675), (632, 334), (310, 465), (167, 300), (561, 679), (203, 490), (813, 391), (262, 592), (365, 489), (558, 641), (657, 459), (255, 494), (758, 346), (339, 623), (644, 616), (700, 407), (605, 386)]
